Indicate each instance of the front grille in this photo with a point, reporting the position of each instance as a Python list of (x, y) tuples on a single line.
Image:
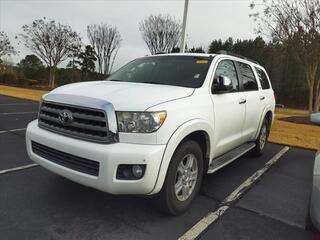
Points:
[(86, 124), (65, 159)]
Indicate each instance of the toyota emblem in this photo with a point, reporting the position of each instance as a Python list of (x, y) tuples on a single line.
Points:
[(65, 117)]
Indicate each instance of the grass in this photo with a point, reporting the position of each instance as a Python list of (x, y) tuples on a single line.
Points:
[(286, 133), (24, 93), (293, 134)]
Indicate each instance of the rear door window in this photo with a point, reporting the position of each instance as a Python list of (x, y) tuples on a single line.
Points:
[(263, 78), (247, 77)]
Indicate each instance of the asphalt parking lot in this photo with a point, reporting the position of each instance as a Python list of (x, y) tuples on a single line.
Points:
[(37, 204)]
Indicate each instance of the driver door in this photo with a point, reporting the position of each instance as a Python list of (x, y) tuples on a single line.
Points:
[(229, 110)]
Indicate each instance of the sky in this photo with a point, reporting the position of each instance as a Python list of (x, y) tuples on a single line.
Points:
[(207, 20)]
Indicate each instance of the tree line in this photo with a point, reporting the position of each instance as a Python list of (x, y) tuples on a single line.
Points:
[(291, 55), (284, 70), (295, 25)]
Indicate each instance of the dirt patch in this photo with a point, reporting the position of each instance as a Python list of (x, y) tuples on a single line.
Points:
[(299, 120)]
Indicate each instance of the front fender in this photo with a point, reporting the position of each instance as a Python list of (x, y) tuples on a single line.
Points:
[(176, 138)]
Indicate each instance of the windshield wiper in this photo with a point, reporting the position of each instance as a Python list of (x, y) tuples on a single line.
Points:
[(114, 80)]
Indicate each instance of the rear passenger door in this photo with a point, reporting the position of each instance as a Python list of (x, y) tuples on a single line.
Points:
[(253, 106)]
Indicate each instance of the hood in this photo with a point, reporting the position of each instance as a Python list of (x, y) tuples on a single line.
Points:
[(126, 96)]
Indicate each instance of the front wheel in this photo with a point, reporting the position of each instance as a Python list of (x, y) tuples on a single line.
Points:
[(262, 139), (183, 180)]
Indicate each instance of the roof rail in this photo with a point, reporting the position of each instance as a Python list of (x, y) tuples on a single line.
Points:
[(236, 55)]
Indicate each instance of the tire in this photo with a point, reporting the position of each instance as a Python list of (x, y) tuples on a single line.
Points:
[(169, 199), (262, 139)]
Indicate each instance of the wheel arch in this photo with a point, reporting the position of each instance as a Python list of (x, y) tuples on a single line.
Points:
[(267, 113), (197, 130), (269, 117), (203, 139)]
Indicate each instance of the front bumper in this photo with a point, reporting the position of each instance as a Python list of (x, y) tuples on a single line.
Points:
[(109, 157)]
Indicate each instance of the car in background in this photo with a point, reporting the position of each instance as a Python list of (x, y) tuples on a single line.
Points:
[(315, 196), (315, 118)]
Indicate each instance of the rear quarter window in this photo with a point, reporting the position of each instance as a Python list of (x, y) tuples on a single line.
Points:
[(263, 78), (247, 77)]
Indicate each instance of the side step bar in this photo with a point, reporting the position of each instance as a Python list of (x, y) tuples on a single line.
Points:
[(229, 157)]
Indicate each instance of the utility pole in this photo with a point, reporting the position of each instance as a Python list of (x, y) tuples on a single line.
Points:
[(184, 25)]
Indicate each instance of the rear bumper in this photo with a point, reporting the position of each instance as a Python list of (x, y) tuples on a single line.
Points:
[(109, 157)]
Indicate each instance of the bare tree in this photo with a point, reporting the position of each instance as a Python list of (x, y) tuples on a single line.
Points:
[(296, 25), (6, 49), (161, 33), (50, 41), (106, 41)]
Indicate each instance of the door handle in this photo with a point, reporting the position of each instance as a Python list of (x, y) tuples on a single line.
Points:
[(242, 101), (262, 98)]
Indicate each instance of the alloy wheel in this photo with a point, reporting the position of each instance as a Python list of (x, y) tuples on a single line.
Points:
[(263, 137), (186, 177)]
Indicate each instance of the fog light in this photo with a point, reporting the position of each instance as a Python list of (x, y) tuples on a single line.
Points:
[(137, 171), (130, 171), (126, 172)]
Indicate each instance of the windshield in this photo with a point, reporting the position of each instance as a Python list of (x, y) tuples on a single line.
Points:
[(183, 71)]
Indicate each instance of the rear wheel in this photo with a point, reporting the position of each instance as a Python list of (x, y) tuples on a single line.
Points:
[(183, 179), (262, 139)]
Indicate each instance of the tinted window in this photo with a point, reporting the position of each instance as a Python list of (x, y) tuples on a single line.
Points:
[(226, 68), (184, 71), (247, 77), (263, 78)]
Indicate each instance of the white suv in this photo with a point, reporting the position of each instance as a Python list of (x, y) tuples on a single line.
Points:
[(155, 126)]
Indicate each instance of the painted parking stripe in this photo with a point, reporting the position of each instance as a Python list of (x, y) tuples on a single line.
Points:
[(18, 168), (212, 217), (17, 104), (13, 130), (17, 113)]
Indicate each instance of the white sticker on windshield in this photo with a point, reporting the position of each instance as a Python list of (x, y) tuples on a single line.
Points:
[(197, 75)]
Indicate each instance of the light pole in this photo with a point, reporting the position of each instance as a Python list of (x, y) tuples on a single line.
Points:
[(184, 25)]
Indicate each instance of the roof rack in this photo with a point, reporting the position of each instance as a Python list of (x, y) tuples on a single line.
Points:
[(236, 55)]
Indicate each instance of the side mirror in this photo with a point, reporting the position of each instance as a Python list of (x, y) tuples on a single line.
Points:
[(222, 84)]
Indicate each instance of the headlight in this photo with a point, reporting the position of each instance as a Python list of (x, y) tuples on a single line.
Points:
[(140, 122)]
